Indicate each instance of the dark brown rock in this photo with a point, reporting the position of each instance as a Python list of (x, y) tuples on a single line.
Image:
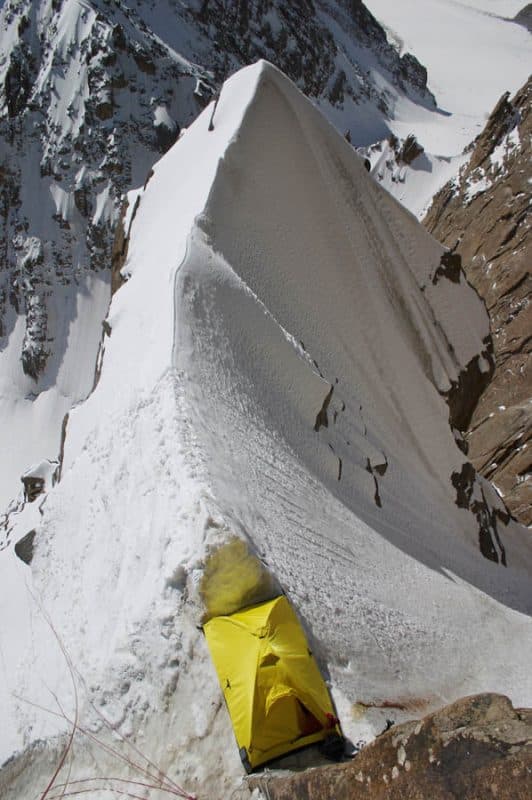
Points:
[(104, 110), (144, 63), (24, 547), (485, 218), (464, 394), (120, 247), (17, 83), (322, 419), (166, 137), (410, 150), (83, 201), (478, 748), (33, 487)]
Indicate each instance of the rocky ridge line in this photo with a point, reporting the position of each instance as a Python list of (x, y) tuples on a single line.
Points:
[(484, 217)]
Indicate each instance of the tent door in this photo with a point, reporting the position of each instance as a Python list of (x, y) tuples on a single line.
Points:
[(308, 723)]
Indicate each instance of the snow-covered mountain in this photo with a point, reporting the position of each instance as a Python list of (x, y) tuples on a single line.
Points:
[(274, 389), (474, 51), (91, 94), (272, 403)]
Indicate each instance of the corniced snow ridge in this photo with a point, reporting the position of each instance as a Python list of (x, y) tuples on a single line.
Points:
[(272, 394)]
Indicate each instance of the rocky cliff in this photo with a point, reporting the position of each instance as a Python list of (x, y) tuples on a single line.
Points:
[(484, 217)]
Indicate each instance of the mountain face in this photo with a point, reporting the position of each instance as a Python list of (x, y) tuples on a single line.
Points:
[(271, 413), (249, 377), (90, 97), (474, 38), (483, 216), (91, 94)]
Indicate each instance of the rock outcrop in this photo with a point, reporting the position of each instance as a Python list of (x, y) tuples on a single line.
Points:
[(478, 747), (524, 17), (484, 217)]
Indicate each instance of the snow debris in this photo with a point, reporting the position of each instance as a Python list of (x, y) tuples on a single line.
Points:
[(476, 186)]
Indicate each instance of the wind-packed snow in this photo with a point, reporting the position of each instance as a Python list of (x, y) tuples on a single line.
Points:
[(266, 273), (91, 93)]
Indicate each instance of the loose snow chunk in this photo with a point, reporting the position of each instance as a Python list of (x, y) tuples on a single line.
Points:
[(64, 201), (502, 150), (476, 187), (162, 117), (484, 364), (43, 470), (39, 479), (104, 206)]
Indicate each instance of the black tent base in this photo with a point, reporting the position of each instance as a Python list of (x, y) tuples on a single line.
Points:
[(243, 753), (333, 748)]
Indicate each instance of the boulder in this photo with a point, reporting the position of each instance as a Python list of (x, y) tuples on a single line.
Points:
[(524, 17), (478, 748)]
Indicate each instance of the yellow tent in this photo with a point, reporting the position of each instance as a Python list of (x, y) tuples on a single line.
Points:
[(273, 688)]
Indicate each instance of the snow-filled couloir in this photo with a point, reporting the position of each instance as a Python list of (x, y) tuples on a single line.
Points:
[(277, 373)]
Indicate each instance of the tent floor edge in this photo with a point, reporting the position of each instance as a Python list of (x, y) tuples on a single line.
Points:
[(333, 747), (243, 753)]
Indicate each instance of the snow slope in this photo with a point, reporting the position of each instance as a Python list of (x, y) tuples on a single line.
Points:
[(473, 54), (413, 185), (91, 94), (33, 411), (64, 169), (273, 375)]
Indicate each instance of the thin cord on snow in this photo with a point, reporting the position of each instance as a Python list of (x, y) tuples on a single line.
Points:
[(86, 791), (68, 747), (177, 791), (161, 778), (117, 780)]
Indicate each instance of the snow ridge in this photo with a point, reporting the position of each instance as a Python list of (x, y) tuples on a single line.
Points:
[(275, 373)]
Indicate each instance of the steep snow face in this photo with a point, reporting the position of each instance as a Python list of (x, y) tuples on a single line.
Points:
[(83, 114), (275, 372), (334, 50), (91, 94)]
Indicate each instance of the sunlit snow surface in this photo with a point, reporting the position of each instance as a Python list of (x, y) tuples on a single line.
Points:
[(473, 54), (265, 267)]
